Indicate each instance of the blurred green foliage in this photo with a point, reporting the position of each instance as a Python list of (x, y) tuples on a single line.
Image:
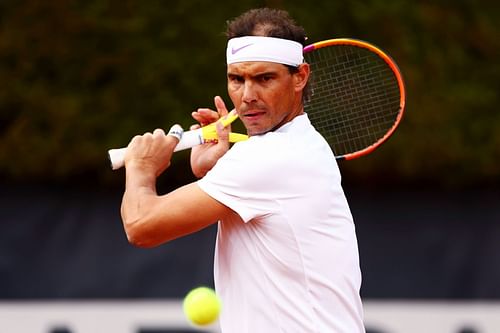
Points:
[(79, 77)]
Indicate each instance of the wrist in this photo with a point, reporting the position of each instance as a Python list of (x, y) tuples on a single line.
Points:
[(137, 174)]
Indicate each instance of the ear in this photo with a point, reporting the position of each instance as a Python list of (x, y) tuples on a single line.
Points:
[(302, 76)]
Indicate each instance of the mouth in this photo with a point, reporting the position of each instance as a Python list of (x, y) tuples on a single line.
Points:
[(253, 114)]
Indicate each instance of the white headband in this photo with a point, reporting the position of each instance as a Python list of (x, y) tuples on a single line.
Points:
[(270, 49)]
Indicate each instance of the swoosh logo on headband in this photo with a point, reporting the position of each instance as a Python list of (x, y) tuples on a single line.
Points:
[(234, 51)]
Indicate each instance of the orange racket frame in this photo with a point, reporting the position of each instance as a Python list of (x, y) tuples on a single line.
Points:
[(395, 69)]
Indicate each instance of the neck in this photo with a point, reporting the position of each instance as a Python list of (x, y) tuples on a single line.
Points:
[(297, 111)]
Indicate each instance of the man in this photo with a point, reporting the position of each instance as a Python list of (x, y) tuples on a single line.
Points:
[(286, 255)]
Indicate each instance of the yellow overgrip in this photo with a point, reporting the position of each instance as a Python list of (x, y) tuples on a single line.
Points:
[(209, 132), (237, 137)]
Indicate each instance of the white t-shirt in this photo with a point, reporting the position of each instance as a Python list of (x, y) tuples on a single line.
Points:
[(287, 260)]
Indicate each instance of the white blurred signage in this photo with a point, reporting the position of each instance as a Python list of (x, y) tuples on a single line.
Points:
[(167, 316)]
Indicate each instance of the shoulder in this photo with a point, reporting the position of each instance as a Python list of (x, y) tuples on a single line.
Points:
[(269, 151), (292, 149)]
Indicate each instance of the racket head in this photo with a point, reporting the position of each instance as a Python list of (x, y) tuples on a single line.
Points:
[(358, 95)]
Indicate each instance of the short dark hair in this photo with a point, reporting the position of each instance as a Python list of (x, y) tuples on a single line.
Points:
[(269, 22), (266, 22)]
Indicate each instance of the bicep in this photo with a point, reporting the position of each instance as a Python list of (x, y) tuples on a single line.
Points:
[(178, 213)]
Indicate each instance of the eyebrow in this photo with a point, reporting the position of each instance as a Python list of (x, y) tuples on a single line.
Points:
[(273, 73)]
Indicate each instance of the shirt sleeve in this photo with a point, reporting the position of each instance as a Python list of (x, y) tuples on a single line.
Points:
[(248, 178)]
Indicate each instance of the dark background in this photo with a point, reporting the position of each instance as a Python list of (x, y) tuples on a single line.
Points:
[(80, 77)]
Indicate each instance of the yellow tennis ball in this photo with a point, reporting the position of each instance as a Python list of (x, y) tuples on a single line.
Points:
[(202, 306)]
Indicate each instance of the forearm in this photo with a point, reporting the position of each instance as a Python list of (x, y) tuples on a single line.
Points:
[(149, 219), (200, 167), (138, 201)]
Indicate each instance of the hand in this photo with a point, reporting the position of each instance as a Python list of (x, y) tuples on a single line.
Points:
[(204, 157), (151, 152)]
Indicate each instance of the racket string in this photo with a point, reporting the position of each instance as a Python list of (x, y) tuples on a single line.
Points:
[(359, 87)]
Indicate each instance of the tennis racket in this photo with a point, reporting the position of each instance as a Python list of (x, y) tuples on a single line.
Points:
[(358, 95), (357, 100)]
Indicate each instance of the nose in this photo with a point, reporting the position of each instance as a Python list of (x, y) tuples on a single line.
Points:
[(249, 92)]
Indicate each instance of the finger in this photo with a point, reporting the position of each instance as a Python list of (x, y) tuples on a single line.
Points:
[(135, 140), (158, 133), (220, 106), (199, 118), (147, 137), (205, 116), (194, 127)]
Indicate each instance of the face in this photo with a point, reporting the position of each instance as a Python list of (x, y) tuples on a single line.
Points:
[(265, 94)]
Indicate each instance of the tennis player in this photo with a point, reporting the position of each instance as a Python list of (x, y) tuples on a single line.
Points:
[(286, 255)]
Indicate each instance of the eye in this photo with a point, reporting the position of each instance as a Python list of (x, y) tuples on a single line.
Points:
[(265, 78), (235, 79)]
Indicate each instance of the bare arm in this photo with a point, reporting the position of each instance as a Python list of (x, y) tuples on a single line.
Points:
[(149, 219)]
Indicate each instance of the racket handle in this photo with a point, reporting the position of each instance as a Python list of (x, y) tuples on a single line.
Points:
[(117, 157), (188, 139)]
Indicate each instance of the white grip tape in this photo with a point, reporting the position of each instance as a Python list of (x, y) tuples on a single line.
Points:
[(190, 139), (187, 140), (117, 157), (176, 131)]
